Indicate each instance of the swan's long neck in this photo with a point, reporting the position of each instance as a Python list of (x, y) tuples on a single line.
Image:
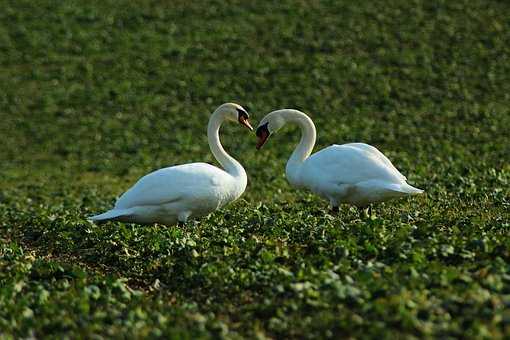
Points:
[(228, 162), (305, 146)]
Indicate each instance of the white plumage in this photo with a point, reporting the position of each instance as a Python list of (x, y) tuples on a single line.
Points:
[(176, 193), (354, 173)]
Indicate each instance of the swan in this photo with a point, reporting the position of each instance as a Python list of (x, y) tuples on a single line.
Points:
[(172, 195), (353, 173)]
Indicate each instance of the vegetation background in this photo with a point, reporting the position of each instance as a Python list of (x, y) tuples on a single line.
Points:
[(95, 94)]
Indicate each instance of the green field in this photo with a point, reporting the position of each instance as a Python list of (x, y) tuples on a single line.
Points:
[(95, 94)]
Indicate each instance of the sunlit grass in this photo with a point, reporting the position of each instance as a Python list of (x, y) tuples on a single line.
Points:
[(95, 95)]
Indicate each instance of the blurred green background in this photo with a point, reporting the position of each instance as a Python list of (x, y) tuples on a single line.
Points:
[(95, 94)]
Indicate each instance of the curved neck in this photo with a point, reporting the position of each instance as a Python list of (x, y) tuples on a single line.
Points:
[(306, 144), (228, 162)]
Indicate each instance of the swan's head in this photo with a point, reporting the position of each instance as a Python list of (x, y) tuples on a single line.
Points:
[(271, 123), (236, 113)]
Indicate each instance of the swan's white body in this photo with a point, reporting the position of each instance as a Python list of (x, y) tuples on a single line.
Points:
[(354, 173), (176, 193)]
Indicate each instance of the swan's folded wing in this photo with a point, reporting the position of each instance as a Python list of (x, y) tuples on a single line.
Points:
[(169, 185), (347, 164), (375, 152)]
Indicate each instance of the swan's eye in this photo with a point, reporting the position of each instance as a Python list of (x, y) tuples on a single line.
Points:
[(262, 134), (243, 118), (241, 114), (262, 130)]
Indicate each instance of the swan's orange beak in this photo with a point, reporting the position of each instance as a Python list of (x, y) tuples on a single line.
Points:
[(263, 135), (244, 121)]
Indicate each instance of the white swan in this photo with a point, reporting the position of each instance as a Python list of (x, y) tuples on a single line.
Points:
[(176, 193), (354, 173)]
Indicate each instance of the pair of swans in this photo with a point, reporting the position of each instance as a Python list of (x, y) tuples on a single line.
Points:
[(353, 173)]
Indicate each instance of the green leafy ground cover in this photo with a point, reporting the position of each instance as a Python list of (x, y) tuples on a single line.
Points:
[(95, 94)]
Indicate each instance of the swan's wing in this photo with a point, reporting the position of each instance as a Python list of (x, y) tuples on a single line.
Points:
[(348, 164), (172, 184), (374, 151)]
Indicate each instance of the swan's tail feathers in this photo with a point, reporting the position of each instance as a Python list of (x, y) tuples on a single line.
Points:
[(405, 189), (110, 215), (411, 190)]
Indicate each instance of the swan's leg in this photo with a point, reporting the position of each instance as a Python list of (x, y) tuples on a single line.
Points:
[(368, 211), (183, 216), (334, 206)]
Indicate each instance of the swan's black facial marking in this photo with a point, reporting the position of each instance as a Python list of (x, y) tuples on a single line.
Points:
[(243, 118), (263, 134), (242, 113), (261, 129)]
